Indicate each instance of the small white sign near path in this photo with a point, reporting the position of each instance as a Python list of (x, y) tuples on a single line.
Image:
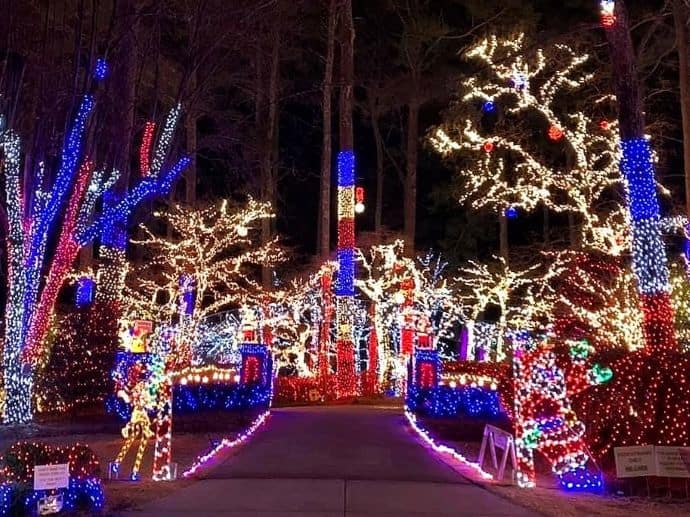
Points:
[(49, 477), (672, 462), (634, 461)]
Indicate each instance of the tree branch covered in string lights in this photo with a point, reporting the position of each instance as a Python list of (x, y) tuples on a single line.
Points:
[(519, 294), (62, 204), (409, 299), (208, 265), (573, 169)]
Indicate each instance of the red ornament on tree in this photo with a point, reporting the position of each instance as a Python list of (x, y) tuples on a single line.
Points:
[(555, 133), (608, 20), (604, 124), (488, 146)]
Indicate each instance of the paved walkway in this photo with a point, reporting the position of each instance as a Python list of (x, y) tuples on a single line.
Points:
[(334, 461)]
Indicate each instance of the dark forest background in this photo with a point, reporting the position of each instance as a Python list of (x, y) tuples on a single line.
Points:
[(250, 77)]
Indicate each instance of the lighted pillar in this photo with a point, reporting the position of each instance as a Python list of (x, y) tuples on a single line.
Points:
[(637, 166), (373, 364), (649, 255), (407, 324), (162, 455), (256, 367), (345, 290), (325, 327)]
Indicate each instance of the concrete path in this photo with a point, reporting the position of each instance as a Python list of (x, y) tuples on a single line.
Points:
[(333, 461)]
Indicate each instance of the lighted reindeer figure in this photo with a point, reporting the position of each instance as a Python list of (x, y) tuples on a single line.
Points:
[(544, 418)]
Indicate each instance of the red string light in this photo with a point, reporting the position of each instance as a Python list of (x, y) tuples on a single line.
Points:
[(65, 254), (145, 149)]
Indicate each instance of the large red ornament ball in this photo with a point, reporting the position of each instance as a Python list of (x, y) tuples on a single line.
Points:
[(604, 124), (555, 133), (488, 146), (608, 20)]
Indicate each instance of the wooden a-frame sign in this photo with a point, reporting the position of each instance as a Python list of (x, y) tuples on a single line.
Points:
[(495, 437)]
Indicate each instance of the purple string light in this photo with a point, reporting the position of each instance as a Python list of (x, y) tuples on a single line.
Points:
[(202, 461)]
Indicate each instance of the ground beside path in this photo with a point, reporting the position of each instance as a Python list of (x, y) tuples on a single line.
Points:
[(333, 461)]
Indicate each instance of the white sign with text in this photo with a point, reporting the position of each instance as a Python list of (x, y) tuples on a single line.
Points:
[(672, 462), (49, 477), (635, 461)]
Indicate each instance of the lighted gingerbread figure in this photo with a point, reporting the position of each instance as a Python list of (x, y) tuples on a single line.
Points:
[(544, 419), (138, 428)]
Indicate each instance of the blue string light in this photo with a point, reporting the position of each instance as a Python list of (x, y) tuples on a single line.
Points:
[(46, 209), (148, 187), (447, 402), (345, 285), (346, 169), (649, 256), (114, 233), (100, 71), (637, 166), (581, 479), (82, 493)]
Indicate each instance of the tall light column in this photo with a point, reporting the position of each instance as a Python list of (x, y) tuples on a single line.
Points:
[(345, 290)]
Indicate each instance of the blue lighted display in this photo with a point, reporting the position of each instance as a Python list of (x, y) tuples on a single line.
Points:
[(346, 169), (85, 494), (148, 187), (649, 255), (444, 401), (187, 288), (86, 288), (489, 107), (637, 166), (581, 479), (45, 211), (345, 285)]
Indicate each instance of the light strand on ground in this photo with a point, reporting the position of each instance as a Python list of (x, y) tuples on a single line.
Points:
[(202, 461), (444, 449)]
